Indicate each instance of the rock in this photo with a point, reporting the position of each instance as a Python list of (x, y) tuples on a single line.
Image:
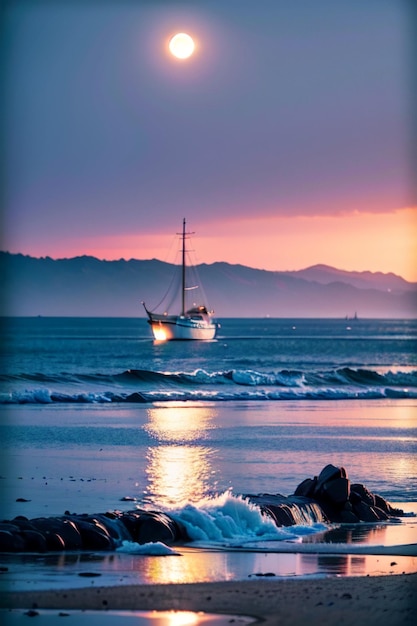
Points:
[(365, 512), (328, 473), (154, 526), (381, 513), (364, 494), (113, 526), (343, 502), (62, 527), (54, 542), (348, 517), (337, 490), (11, 542), (93, 535), (34, 541), (135, 397), (130, 521), (327, 498), (354, 497), (381, 503), (333, 485), (306, 488), (289, 510), (281, 514)]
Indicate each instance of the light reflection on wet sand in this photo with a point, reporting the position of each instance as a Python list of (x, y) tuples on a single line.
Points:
[(180, 459)]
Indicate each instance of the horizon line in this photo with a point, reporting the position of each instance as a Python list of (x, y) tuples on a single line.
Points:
[(309, 267)]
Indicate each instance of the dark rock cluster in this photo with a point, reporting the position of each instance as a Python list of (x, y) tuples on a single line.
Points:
[(328, 497), (289, 510), (105, 531), (344, 502)]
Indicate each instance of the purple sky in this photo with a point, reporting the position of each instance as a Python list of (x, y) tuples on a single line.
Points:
[(290, 116)]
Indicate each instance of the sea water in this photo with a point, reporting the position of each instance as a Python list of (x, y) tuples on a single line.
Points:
[(95, 416), (72, 360)]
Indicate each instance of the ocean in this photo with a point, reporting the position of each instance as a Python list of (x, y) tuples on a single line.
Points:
[(69, 360), (96, 416)]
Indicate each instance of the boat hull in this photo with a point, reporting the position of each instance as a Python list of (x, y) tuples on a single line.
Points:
[(182, 328)]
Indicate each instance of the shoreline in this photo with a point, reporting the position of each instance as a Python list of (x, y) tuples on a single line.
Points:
[(390, 599)]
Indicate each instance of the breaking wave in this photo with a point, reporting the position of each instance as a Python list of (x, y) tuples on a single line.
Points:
[(146, 386)]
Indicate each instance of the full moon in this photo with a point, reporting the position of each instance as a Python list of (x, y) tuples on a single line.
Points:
[(181, 46)]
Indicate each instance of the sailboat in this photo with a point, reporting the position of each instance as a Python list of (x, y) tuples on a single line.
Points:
[(194, 323)]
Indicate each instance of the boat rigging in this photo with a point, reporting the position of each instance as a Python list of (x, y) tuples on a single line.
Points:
[(195, 323)]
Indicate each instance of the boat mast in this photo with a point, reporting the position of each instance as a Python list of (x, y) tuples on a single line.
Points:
[(183, 269)]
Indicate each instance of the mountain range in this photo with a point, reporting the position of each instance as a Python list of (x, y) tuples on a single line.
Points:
[(88, 287)]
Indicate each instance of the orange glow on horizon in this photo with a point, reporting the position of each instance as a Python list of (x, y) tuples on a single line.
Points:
[(378, 242)]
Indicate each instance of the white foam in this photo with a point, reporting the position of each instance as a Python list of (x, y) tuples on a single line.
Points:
[(228, 518), (154, 548)]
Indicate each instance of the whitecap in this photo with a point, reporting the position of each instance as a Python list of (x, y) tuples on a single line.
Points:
[(154, 548)]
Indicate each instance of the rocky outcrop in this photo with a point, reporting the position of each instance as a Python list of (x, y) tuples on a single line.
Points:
[(289, 510), (328, 497), (105, 531), (344, 502)]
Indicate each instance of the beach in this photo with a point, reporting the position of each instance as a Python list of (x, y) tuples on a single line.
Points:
[(352, 601), (208, 362), (91, 425)]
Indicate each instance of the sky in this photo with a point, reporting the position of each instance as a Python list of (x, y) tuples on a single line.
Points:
[(285, 140)]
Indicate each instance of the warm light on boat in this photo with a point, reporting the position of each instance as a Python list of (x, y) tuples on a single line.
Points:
[(159, 333), (187, 323)]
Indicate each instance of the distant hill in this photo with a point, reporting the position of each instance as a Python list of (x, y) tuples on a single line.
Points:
[(86, 286), (363, 280)]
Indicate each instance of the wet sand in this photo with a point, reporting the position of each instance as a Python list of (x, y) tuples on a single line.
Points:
[(346, 601)]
